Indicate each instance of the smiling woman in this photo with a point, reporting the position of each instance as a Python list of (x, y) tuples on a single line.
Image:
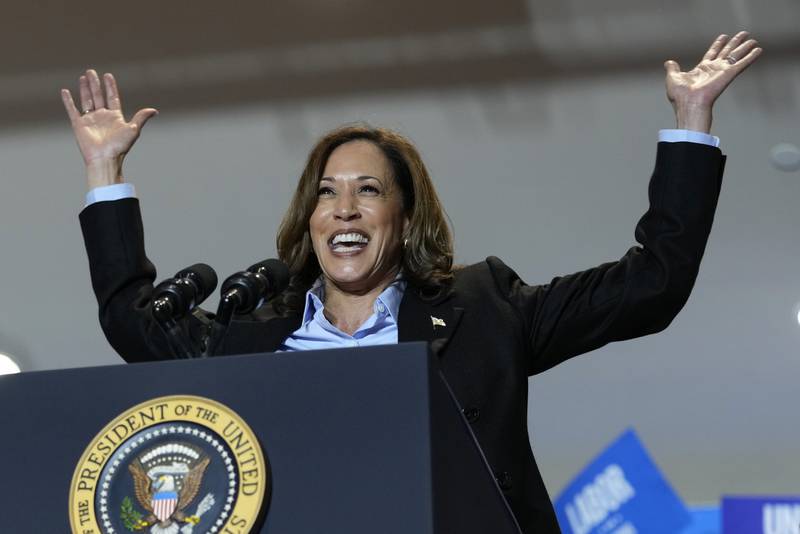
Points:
[(352, 217), (370, 257)]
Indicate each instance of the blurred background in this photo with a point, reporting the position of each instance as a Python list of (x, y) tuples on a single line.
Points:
[(538, 121)]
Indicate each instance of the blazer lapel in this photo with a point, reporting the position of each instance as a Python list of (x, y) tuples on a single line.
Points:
[(262, 331), (434, 320), (279, 329)]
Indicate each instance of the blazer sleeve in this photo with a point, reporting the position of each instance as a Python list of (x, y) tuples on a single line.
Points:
[(642, 292), (122, 279)]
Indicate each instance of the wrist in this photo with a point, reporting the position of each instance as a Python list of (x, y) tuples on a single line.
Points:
[(102, 172), (695, 117)]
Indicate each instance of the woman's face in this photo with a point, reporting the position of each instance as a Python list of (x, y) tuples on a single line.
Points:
[(358, 223)]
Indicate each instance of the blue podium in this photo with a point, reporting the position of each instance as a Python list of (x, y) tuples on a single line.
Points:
[(354, 441)]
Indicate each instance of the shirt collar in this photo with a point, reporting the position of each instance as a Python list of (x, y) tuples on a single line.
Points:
[(389, 299)]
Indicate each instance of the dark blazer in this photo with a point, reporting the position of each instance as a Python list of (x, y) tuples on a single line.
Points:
[(498, 330)]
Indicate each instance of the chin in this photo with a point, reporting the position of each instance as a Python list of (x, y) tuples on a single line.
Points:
[(353, 276), (347, 277)]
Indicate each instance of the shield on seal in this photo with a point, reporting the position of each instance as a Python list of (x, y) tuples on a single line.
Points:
[(164, 503)]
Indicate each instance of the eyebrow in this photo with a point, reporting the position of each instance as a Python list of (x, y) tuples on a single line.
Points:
[(359, 178)]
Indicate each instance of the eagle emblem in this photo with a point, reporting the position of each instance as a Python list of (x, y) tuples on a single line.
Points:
[(166, 480), (170, 465)]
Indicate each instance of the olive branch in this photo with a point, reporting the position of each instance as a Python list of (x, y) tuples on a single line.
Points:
[(130, 517)]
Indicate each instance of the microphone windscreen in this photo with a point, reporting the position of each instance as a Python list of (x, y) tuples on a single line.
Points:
[(204, 278), (276, 271)]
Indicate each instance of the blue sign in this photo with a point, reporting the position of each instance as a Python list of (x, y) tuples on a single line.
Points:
[(621, 492), (761, 515), (705, 520)]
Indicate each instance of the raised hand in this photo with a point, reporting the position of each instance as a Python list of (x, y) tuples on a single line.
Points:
[(693, 93), (103, 135)]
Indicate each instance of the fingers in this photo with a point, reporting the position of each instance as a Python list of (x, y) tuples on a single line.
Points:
[(742, 50), (716, 46), (735, 41), (94, 87), (87, 104), (672, 66), (112, 92), (142, 116), (91, 92), (747, 60), (92, 98), (69, 105)]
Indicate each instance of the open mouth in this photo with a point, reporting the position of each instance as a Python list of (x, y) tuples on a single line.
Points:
[(347, 242)]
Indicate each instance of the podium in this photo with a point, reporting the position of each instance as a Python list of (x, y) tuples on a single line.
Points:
[(365, 440)]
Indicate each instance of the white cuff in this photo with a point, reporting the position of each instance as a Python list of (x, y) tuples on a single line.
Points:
[(110, 192), (676, 136)]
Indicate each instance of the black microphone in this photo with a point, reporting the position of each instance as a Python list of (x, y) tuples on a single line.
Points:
[(175, 297), (250, 289), (244, 292)]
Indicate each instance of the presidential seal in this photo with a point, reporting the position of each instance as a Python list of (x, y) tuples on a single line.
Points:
[(171, 465)]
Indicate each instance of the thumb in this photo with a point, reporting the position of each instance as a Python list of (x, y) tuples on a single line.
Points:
[(671, 66), (142, 116)]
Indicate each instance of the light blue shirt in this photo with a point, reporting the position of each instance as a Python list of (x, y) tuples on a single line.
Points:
[(110, 192), (316, 332)]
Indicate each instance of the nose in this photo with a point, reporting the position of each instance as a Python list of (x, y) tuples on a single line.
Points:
[(346, 208)]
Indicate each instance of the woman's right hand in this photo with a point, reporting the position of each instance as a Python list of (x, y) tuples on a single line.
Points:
[(103, 135)]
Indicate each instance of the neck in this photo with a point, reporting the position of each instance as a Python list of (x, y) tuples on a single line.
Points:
[(348, 310)]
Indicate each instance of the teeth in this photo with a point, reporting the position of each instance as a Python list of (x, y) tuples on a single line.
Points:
[(350, 238), (342, 248)]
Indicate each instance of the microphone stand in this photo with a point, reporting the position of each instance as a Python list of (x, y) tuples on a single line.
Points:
[(229, 302), (178, 340)]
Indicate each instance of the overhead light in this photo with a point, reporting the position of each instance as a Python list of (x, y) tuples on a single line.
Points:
[(785, 157), (7, 365)]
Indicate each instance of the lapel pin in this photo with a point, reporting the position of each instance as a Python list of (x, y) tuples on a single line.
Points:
[(437, 322)]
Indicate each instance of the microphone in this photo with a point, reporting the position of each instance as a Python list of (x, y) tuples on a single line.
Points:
[(250, 289), (244, 292), (175, 297)]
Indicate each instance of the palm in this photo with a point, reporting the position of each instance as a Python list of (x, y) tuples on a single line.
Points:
[(704, 82), (724, 60), (104, 134), (101, 130)]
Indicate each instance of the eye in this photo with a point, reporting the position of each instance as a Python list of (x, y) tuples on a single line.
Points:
[(325, 191), (369, 189)]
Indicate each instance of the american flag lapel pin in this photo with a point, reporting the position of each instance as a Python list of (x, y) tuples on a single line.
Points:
[(437, 322)]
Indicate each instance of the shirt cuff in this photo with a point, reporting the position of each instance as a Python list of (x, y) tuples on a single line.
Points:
[(110, 192), (676, 136)]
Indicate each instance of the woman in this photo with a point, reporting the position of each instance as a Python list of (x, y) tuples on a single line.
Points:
[(371, 262)]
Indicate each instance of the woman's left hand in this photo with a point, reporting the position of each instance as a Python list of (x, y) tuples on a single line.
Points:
[(693, 93)]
